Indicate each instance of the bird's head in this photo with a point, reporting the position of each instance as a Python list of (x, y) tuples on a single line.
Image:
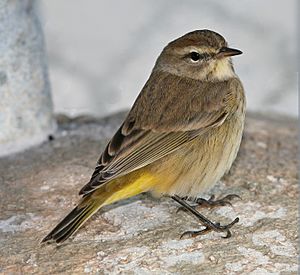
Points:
[(201, 55)]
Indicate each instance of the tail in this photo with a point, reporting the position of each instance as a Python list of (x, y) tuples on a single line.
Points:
[(73, 221), (111, 192)]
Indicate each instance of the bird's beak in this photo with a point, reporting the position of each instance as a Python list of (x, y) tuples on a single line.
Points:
[(225, 52)]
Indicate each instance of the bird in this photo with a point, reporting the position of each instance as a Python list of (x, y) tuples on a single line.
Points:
[(180, 137)]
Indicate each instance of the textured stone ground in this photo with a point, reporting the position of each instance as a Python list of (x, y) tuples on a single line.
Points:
[(141, 235)]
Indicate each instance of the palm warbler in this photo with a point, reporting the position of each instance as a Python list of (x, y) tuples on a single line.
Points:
[(181, 135)]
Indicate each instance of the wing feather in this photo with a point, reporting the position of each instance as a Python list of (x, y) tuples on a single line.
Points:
[(146, 136)]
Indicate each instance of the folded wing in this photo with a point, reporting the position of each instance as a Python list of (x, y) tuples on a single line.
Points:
[(147, 134)]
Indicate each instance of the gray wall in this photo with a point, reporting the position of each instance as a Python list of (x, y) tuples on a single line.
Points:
[(101, 52), (25, 102)]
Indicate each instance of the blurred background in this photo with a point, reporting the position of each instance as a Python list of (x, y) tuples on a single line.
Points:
[(101, 53)]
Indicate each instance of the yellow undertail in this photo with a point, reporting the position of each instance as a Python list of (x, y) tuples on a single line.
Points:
[(118, 189)]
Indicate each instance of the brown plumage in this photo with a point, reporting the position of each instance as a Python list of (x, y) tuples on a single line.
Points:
[(181, 135)]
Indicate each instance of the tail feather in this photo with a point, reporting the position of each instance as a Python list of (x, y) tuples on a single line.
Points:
[(71, 223), (91, 202), (69, 230)]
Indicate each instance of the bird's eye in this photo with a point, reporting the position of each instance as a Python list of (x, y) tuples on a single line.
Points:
[(195, 56)]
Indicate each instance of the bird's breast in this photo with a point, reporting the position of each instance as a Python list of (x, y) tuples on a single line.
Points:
[(199, 164)]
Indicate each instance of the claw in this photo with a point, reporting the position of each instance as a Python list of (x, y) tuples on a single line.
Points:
[(232, 196), (193, 234), (228, 235)]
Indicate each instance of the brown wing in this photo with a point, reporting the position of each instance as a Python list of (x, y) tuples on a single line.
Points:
[(167, 114)]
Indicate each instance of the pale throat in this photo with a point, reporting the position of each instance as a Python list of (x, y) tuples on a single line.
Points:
[(221, 69)]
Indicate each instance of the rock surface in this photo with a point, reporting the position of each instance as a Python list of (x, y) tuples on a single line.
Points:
[(25, 101), (141, 235)]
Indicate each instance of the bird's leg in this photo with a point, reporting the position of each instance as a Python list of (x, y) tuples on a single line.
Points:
[(209, 225), (211, 202)]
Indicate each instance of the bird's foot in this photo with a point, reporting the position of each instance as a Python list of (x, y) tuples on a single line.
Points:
[(208, 225), (211, 202), (217, 227)]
